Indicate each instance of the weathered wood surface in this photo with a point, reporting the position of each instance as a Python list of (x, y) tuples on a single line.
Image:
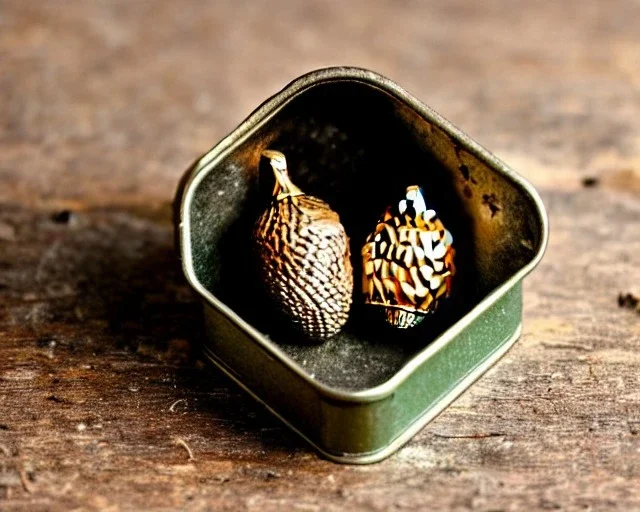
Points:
[(103, 104)]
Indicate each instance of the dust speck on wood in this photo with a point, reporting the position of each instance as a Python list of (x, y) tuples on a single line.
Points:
[(181, 442), (630, 300), (590, 182)]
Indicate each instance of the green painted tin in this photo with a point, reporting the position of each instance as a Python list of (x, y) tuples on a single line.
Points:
[(356, 139)]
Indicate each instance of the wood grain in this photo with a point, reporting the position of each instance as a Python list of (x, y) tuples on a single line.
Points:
[(104, 401)]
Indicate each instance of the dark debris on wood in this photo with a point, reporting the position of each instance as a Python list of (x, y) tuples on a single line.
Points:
[(629, 300)]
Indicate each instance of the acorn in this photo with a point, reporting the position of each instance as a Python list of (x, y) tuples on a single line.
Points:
[(408, 262), (303, 256)]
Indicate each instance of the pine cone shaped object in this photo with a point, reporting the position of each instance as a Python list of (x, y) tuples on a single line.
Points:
[(408, 261), (303, 256)]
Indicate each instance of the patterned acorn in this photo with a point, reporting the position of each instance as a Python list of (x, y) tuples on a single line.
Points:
[(303, 256), (408, 261)]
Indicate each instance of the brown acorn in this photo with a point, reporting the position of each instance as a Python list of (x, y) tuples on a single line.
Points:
[(303, 256), (408, 261)]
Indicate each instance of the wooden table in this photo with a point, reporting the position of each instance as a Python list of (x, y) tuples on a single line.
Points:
[(105, 402)]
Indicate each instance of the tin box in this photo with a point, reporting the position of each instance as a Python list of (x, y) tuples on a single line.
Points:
[(357, 140)]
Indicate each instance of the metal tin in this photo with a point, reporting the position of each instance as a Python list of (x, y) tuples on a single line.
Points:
[(356, 139)]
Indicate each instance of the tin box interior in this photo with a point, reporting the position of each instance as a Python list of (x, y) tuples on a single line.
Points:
[(358, 148)]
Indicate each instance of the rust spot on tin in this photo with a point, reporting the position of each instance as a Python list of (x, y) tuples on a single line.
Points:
[(492, 202), (463, 168)]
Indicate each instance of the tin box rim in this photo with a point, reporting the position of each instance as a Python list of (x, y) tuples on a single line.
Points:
[(262, 115)]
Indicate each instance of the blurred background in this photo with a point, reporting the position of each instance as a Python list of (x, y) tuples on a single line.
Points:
[(115, 98)]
